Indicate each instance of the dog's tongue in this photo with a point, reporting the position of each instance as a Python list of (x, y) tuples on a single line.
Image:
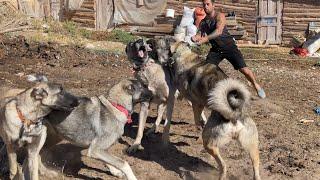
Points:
[(140, 53)]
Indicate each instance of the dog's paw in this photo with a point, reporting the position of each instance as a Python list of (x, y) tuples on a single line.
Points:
[(134, 148), (44, 171), (48, 173), (154, 130), (165, 139), (116, 172)]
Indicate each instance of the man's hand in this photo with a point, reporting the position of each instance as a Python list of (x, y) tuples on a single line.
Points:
[(202, 40), (196, 38)]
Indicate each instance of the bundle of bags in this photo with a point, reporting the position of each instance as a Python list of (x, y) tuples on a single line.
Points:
[(189, 24)]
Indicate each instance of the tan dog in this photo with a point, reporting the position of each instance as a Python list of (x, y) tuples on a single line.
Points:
[(20, 121), (229, 120), (157, 79)]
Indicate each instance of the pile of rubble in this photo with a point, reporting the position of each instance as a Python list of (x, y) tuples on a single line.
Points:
[(308, 45), (17, 47)]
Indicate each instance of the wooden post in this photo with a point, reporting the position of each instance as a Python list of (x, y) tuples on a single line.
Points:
[(140, 2)]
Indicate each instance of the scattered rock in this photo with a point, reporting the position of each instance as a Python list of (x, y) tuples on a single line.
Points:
[(304, 121)]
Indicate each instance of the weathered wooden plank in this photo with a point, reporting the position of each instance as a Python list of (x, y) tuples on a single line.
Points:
[(300, 19), (294, 28), (83, 21), (301, 5), (148, 34), (156, 29), (302, 15), (85, 15), (299, 10)]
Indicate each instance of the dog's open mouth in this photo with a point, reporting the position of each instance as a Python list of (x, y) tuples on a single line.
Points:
[(141, 52)]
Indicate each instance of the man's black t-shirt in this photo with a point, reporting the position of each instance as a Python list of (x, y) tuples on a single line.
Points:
[(221, 43)]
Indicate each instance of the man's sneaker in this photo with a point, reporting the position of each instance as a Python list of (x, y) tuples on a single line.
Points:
[(261, 93)]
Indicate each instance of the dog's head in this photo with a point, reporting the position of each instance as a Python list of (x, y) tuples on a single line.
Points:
[(163, 49), (51, 95), (137, 90), (137, 53), (180, 47)]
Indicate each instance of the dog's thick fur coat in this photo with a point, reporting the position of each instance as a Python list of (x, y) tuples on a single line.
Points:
[(21, 113), (97, 124), (229, 120)]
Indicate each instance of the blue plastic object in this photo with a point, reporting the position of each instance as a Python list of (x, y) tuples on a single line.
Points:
[(317, 110)]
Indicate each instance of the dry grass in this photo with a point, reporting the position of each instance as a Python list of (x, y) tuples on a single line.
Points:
[(69, 33)]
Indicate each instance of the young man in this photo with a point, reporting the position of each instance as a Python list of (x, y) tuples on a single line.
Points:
[(213, 30)]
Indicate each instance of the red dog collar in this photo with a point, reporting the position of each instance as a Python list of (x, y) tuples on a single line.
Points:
[(124, 110)]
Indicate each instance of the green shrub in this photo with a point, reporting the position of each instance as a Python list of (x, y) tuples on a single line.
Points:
[(85, 33), (120, 36), (70, 27)]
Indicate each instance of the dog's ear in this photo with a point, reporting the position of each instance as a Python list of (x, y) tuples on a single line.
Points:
[(170, 39), (129, 88), (151, 43), (130, 44), (36, 78), (173, 47), (39, 93)]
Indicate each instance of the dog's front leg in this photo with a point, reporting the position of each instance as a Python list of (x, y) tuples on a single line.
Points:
[(156, 126), (170, 106), (43, 170), (142, 122), (12, 156), (32, 170), (98, 150)]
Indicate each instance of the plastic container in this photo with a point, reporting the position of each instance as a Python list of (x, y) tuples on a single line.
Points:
[(170, 13), (313, 44)]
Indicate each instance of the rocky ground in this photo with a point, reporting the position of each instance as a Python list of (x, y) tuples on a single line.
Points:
[(289, 149)]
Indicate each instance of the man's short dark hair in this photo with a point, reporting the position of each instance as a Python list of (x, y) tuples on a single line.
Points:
[(211, 1)]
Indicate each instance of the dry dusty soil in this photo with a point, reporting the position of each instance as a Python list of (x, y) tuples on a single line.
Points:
[(288, 149)]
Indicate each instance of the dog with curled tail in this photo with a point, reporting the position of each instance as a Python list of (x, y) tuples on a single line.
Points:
[(229, 119)]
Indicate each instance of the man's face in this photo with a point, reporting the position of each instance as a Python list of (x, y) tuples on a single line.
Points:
[(208, 6)]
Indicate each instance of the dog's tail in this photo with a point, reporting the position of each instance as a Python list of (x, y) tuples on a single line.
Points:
[(230, 97)]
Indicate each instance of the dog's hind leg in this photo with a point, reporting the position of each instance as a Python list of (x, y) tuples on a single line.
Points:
[(197, 113), (214, 152), (170, 106), (155, 128), (248, 138), (142, 122), (203, 117), (13, 164), (98, 150)]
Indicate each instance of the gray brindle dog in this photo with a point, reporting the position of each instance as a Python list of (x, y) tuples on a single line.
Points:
[(98, 122), (206, 85), (21, 113)]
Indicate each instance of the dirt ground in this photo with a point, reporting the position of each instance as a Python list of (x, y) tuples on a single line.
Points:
[(288, 149)]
